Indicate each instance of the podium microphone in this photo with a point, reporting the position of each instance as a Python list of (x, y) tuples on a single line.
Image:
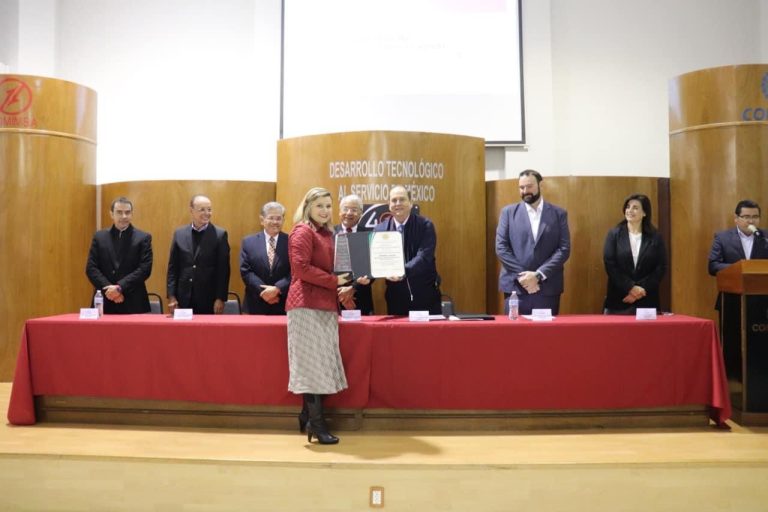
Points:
[(753, 229)]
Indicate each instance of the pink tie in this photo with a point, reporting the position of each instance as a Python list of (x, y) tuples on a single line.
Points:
[(271, 251)]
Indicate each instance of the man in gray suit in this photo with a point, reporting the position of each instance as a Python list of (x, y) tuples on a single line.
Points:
[(533, 243)]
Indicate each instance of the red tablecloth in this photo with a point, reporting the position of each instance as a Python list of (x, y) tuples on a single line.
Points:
[(214, 359), (574, 362)]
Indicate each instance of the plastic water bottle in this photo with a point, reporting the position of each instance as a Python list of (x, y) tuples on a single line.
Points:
[(98, 302), (514, 305)]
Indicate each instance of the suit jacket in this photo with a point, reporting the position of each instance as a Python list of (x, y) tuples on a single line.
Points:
[(623, 274), (420, 290), (255, 271), (363, 294), (313, 283), (518, 251), (199, 276), (127, 263), (727, 249)]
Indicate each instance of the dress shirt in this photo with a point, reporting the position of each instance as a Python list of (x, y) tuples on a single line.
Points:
[(534, 215), (746, 242), (635, 240)]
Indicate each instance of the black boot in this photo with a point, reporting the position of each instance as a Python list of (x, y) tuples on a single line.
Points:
[(316, 426), (304, 414)]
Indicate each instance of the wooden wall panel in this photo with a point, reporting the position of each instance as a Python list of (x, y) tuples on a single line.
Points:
[(458, 208), (47, 202), (594, 205), (712, 97), (716, 159), (162, 206)]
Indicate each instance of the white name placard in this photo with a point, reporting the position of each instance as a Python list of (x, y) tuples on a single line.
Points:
[(645, 314), (182, 314), (541, 315), (418, 316), (89, 314), (351, 315)]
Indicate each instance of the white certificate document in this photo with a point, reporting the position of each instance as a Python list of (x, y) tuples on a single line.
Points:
[(387, 259)]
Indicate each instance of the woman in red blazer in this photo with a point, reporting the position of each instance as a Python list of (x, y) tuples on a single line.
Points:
[(314, 360)]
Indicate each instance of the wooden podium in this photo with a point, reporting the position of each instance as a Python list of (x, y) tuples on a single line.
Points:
[(743, 291)]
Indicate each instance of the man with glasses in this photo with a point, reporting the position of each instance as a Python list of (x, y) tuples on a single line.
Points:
[(198, 267), (264, 264), (355, 295), (743, 242)]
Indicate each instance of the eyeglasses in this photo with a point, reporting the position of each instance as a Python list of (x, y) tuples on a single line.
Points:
[(749, 217)]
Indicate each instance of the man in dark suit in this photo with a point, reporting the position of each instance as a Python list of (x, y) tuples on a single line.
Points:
[(264, 264), (119, 261), (356, 295), (419, 288), (198, 266), (533, 243), (743, 242)]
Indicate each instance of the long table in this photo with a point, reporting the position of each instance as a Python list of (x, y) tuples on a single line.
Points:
[(573, 362)]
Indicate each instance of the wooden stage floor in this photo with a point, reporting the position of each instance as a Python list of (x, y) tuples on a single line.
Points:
[(77, 467)]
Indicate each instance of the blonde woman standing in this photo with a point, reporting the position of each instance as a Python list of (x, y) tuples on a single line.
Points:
[(314, 360)]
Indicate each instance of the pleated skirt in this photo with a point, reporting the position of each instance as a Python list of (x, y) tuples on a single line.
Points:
[(314, 359)]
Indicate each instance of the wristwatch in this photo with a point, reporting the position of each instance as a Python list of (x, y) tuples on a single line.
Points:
[(539, 276)]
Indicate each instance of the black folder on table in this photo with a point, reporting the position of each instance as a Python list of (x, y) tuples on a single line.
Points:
[(473, 316)]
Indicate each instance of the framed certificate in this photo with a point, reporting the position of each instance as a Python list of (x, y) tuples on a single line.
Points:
[(370, 253)]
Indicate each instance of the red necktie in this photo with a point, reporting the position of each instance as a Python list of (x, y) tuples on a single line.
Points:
[(349, 230)]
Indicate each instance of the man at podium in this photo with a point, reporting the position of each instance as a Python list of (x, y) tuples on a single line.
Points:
[(744, 242)]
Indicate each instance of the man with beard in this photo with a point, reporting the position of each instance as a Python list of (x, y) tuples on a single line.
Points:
[(533, 243)]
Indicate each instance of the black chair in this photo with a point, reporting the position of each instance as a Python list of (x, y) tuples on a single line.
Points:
[(232, 306), (155, 303)]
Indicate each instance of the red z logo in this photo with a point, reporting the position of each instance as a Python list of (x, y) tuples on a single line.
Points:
[(15, 96)]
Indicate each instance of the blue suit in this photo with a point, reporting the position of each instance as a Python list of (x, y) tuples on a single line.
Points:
[(518, 252), (255, 271), (420, 289), (727, 249)]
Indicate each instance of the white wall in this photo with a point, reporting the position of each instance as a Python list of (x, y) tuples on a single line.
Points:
[(9, 34), (764, 30), (611, 61), (189, 89), (37, 36)]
